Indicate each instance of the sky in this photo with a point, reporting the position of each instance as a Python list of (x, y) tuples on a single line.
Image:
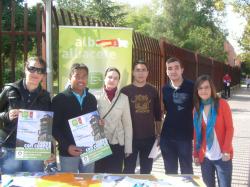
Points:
[(233, 21)]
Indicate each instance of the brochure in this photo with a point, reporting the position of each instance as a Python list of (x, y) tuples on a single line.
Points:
[(155, 151), (34, 135), (89, 136)]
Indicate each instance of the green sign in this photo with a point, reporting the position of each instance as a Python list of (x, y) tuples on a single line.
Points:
[(98, 48)]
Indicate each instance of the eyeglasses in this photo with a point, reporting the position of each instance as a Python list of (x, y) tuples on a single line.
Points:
[(33, 69)]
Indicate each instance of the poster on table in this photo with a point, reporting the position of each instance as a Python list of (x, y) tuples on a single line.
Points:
[(34, 135), (98, 48), (89, 136)]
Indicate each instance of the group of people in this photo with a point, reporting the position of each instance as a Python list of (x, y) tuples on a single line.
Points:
[(197, 124)]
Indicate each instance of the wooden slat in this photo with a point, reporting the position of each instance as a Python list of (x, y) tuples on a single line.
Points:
[(55, 16), (70, 18), (1, 62), (82, 20), (38, 29), (76, 19), (25, 25), (63, 17), (43, 34), (88, 21), (13, 42), (196, 65)]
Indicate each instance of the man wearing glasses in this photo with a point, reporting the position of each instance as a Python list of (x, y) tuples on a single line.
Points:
[(146, 118), (26, 93)]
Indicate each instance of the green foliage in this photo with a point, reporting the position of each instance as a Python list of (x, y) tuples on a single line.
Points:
[(201, 39), (140, 19), (192, 25), (77, 6), (243, 8), (103, 10)]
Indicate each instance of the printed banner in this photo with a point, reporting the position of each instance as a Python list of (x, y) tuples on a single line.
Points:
[(34, 135), (98, 48), (89, 136)]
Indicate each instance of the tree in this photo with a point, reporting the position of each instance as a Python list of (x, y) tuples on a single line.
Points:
[(103, 10), (185, 23), (140, 19), (243, 8), (191, 22), (202, 40)]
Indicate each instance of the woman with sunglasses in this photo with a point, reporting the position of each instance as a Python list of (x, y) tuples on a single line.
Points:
[(26, 93), (213, 134)]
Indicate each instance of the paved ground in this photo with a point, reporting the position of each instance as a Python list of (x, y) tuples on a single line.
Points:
[(240, 105)]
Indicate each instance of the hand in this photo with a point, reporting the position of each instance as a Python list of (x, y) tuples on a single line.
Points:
[(13, 114), (197, 162), (74, 151), (225, 157), (158, 138), (51, 159), (101, 122), (127, 155)]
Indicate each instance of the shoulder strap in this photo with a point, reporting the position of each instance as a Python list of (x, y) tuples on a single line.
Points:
[(111, 106)]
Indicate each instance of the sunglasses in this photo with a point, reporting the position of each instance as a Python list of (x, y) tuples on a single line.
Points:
[(33, 69)]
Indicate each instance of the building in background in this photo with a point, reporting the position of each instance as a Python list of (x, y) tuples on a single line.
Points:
[(232, 59)]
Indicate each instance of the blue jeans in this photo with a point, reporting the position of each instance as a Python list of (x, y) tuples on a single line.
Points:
[(75, 165), (223, 170), (9, 165), (175, 150)]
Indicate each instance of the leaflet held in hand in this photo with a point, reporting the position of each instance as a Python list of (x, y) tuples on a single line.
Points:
[(89, 136), (34, 135)]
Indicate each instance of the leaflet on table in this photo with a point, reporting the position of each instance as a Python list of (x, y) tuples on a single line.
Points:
[(90, 137), (34, 135), (145, 181), (155, 151)]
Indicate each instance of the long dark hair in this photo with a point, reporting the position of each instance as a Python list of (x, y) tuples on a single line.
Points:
[(197, 99)]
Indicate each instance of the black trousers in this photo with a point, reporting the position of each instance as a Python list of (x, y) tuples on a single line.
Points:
[(227, 91), (143, 148), (112, 163)]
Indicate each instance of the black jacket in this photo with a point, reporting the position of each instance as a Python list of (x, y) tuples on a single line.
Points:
[(66, 106), (12, 97)]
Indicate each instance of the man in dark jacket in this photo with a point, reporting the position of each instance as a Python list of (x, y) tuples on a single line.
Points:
[(23, 94), (72, 102)]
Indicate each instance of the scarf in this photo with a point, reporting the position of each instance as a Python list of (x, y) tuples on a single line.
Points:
[(110, 93), (210, 124)]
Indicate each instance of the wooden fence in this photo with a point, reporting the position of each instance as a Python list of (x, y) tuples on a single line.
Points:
[(13, 35), (153, 52)]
